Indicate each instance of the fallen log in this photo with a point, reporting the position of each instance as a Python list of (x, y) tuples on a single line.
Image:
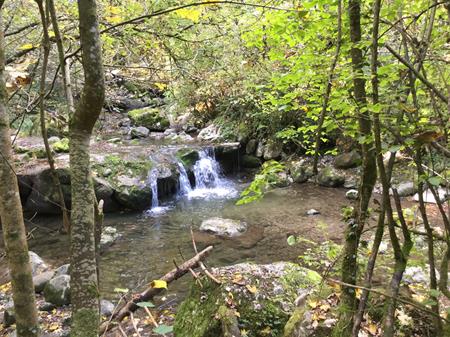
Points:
[(150, 292)]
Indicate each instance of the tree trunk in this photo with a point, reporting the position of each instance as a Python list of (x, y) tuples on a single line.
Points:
[(48, 150), (12, 221), (369, 172), (84, 282)]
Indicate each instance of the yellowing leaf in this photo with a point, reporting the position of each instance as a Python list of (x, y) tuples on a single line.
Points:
[(114, 10), (313, 304), (114, 19), (159, 284), (325, 307), (251, 289), (190, 14), (51, 34), (372, 328), (161, 86), (53, 327), (358, 293), (26, 46)]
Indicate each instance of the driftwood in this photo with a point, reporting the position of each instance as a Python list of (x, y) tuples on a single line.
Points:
[(150, 292)]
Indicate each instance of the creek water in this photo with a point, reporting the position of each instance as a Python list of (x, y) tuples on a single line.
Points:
[(152, 242)]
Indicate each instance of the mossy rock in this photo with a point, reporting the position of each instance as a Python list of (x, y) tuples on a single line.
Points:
[(188, 157), (262, 297), (249, 161), (128, 178), (330, 178), (44, 197), (36, 151), (151, 118), (61, 146)]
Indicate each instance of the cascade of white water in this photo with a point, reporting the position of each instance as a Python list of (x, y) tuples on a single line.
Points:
[(184, 185), (209, 181)]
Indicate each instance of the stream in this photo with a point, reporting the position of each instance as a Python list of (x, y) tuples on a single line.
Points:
[(152, 242)]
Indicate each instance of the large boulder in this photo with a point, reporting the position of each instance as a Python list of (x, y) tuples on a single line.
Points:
[(132, 193), (41, 280), (44, 197), (251, 146), (428, 196), (406, 189), (330, 178), (249, 161), (57, 290), (272, 150), (347, 160), (260, 150), (223, 227), (37, 264), (211, 133), (188, 157), (298, 172), (139, 132), (256, 298), (151, 118)]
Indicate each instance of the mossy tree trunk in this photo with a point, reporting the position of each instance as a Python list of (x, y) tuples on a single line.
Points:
[(84, 282), (369, 170), (12, 221)]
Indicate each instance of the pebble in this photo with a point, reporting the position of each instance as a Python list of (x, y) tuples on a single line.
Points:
[(312, 211)]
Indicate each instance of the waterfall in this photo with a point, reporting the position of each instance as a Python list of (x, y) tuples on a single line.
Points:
[(183, 183), (209, 180), (207, 170), (153, 179)]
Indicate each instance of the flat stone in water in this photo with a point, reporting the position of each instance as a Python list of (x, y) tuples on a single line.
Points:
[(223, 227)]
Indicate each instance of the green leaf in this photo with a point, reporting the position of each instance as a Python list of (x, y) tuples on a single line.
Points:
[(145, 304), (313, 276), (435, 181), (163, 329), (291, 240), (434, 293)]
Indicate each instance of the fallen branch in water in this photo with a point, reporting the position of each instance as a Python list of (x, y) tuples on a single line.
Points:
[(150, 292), (201, 264)]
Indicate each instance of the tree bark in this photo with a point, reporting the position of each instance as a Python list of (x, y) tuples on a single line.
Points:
[(369, 175), (84, 282), (51, 161), (14, 234), (62, 60)]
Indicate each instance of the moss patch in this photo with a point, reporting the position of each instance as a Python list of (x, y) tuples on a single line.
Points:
[(261, 295), (61, 146), (151, 118), (187, 156)]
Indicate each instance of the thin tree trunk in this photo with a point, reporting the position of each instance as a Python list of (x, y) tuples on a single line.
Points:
[(84, 282), (48, 150), (401, 259), (62, 61), (381, 169), (327, 93), (14, 234), (369, 171), (430, 240)]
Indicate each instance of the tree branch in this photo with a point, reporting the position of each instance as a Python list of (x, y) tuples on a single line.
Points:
[(417, 74)]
